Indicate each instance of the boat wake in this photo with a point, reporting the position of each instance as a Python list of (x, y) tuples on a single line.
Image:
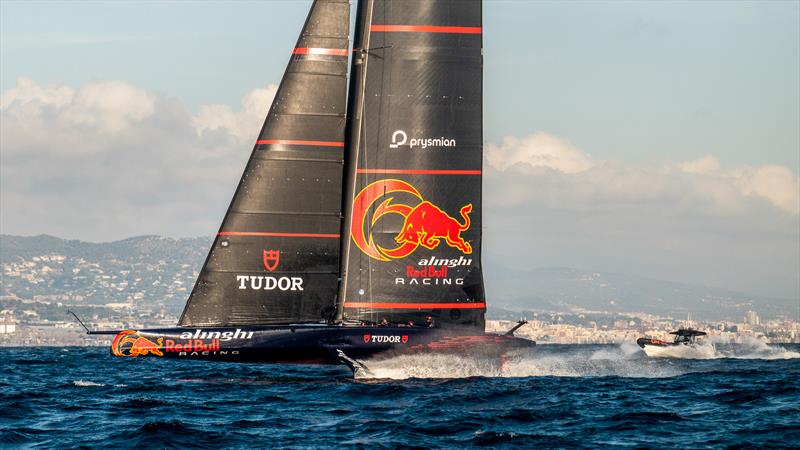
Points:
[(625, 360), (750, 348), (85, 383)]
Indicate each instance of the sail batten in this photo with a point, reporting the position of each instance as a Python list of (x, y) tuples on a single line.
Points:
[(420, 171), (275, 234), (300, 142), (413, 305), (424, 29)]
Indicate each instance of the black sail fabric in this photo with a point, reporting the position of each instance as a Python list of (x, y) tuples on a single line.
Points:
[(275, 259), (413, 183)]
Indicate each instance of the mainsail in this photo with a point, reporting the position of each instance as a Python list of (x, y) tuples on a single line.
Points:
[(412, 201), (276, 257)]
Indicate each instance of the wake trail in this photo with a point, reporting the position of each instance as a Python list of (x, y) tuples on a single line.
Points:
[(625, 360), (752, 348), (717, 348)]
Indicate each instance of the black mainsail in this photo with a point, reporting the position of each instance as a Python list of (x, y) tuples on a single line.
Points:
[(412, 200), (275, 259)]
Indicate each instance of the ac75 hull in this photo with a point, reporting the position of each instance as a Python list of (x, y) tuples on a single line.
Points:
[(309, 344)]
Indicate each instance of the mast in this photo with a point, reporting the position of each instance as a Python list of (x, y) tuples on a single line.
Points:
[(275, 259), (412, 197), (355, 106)]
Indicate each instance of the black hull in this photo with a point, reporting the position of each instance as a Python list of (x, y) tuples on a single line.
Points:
[(307, 344)]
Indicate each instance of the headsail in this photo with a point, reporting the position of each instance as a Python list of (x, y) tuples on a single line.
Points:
[(413, 185), (276, 256)]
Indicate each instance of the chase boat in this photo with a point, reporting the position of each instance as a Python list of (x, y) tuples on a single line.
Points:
[(685, 342), (355, 229)]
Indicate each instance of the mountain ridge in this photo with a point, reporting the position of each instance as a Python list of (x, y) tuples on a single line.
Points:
[(151, 268)]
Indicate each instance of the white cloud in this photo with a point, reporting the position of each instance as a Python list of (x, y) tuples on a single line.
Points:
[(706, 164), (701, 184), (107, 106), (28, 94), (244, 124), (57, 119), (110, 106), (777, 184), (538, 150), (695, 221), (108, 160)]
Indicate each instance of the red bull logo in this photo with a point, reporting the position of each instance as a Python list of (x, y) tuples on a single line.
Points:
[(129, 343), (424, 224), (192, 345)]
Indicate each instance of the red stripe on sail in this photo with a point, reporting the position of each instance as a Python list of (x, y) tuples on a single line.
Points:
[(394, 305), (297, 142), (259, 233), (419, 171), (319, 51), (424, 29)]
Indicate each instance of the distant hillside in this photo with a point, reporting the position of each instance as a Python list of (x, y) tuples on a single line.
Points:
[(152, 248), (148, 272), (567, 289), (156, 273)]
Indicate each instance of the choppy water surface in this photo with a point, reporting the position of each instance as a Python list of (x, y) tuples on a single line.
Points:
[(556, 396)]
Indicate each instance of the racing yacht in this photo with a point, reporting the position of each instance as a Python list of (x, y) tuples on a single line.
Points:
[(355, 229)]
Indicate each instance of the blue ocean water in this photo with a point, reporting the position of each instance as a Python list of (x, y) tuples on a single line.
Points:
[(557, 396)]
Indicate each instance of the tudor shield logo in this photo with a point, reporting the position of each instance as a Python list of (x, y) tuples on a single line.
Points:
[(271, 259), (367, 338)]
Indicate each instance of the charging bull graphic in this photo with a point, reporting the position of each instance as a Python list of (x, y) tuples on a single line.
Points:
[(424, 224), (129, 343)]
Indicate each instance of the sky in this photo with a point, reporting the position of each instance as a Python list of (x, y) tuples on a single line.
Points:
[(660, 139)]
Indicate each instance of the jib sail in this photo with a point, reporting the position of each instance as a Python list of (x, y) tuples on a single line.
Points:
[(276, 257), (413, 185)]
